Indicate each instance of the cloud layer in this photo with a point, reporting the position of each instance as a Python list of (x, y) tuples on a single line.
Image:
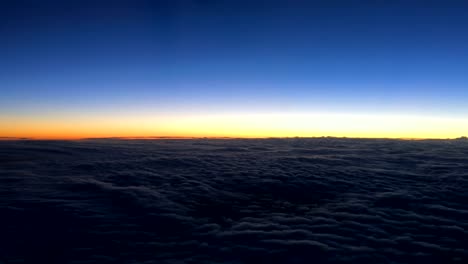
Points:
[(318, 200)]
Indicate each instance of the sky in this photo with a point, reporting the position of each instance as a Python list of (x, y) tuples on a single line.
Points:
[(79, 69)]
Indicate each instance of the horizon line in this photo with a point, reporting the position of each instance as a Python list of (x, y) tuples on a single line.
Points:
[(210, 137)]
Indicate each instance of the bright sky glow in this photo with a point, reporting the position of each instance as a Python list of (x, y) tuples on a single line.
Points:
[(234, 68)]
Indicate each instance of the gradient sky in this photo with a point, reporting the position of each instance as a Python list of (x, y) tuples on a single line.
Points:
[(72, 69)]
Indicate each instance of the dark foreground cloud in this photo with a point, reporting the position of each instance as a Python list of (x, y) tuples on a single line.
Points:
[(234, 201)]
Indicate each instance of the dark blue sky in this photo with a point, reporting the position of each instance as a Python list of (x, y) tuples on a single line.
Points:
[(204, 56)]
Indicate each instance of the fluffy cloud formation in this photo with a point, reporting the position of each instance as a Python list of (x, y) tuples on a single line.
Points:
[(318, 200)]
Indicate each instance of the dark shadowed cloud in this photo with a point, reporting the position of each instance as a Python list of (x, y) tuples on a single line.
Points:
[(318, 200)]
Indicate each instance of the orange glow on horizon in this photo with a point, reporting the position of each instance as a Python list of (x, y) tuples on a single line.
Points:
[(232, 126)]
